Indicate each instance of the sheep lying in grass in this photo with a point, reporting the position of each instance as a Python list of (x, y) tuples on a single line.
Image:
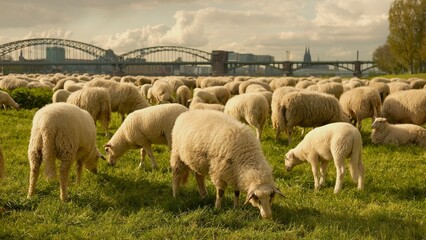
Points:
[(215, 144), (397, 134), (406, 107), (336, 141), (141, 129), (65, 132), (250, 108), (360, 103), (1, 164), (6, 100), (96, 101)]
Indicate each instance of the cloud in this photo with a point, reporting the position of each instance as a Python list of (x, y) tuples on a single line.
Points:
[(51, 33)]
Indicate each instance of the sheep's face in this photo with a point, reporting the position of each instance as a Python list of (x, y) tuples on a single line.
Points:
[(112, 158), (378, 122), (262, 197), (291, 160)]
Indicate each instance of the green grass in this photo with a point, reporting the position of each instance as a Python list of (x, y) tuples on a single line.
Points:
[(123, 202)]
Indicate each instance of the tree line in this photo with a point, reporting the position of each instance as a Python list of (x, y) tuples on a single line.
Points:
[(405, 48)]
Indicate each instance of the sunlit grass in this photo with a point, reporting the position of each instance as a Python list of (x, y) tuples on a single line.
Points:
[(124, 202)]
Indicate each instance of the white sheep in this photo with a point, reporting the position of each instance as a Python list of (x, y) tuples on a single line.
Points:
[(360, 103), (60, 95), (336, 141), (222, 93), (382, 88), (65, 132), (6, 100), (308, 109), (206, 106), (278, 94), (1, 165), (125, 98), (242, 87), (405, 107), (397, 134), (96, 101), (397, 86), (250, 108), (141, 129), (144, 89), (12, 82), (214, 144), (183, 94), (162, 92), (200, 95)]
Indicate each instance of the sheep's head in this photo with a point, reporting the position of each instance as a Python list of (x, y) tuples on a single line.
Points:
[(262, 197), (378, 122), (91, 162), (112, 158), (291, 160)]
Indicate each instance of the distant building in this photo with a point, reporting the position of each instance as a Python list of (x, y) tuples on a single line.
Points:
[(307, 56)]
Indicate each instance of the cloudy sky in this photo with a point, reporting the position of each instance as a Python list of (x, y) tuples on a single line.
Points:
[(333, 29)]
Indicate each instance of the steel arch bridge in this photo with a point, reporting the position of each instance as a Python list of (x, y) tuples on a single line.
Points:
[(140, 54), (96, 52)]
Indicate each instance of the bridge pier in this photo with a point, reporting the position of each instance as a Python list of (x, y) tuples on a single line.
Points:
[(357, 69), (219, 59), (288, 68)]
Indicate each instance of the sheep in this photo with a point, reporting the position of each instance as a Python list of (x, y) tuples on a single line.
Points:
[(382, 88), (1, 165), (183, 94), (242, 87), (233, 87), (61, 131), (417, 83), (398, 86), (254, 88), (308, 109), (141, 129), (336, 141), (162, 92), (6, 100), (125, 98), (11, 83), (332, 88), (405, 107), (215, 144), (397, 134), (206, 106), (201, 95), (250, 108), (204, 82), (222, 93), (278, 94), (144, 89), (360, 103), (283, 82), (60, 95), (96, 101)]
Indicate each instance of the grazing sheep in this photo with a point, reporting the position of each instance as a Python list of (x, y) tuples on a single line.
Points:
[(417, 83), (242, 87), (6, 100), (222, 93), (125, 98), (206, 106), (278, 94), (60, 95), (144, 89), (283, 82), (96, 101), (398, 86), (336, 141), (215, 144), (250, 108), (1, 165), (65, 132), (200, 95), (12, 82), (254, 88), (183, 94), (233, 87), (308, 109), (162, 92), (406, 107), (382, 88), (141, 129), (332, 88), (397, 134), (204, 82), (360, 103)]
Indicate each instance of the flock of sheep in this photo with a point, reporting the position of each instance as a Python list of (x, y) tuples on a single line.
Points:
[(204, 122)]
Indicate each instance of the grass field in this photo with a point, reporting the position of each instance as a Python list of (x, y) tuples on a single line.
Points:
[(123, 202)]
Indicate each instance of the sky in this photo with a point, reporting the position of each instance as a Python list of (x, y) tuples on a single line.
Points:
[(332, 29)]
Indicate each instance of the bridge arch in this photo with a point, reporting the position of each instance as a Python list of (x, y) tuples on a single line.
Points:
[(142, 53), (96, 52)]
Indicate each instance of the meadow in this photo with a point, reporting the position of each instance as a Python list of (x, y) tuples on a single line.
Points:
[(124, 202)]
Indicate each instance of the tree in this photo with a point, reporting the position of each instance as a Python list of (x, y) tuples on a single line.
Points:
[(407, 27), (385, 60)]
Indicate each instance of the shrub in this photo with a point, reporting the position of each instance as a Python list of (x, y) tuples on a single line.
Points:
[(30, 98)]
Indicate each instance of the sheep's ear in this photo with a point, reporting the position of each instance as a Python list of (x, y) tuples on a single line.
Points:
[(250, 195), (277, 191)]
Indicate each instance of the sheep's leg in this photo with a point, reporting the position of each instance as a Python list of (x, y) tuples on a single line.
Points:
[(360, 175), (236, 198), (340, 173), (79, 171), (180, 172), (258, 130), (35, 162), (143, 154), (323, 172), (64, 177), (289, 132), (315, 172), (359, 123), (201, 185), (219, 196), (148, 150)]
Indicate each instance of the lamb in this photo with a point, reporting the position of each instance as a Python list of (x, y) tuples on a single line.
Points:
[(96, 101), (336, 141), (250, 108), (183, 94), (60, 95), (360, 103), (1, 165), (65, 132), (125, 98), (6, 100), (308, 109), (397, 134), (141, 129), (405, 107), (215, 144)]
